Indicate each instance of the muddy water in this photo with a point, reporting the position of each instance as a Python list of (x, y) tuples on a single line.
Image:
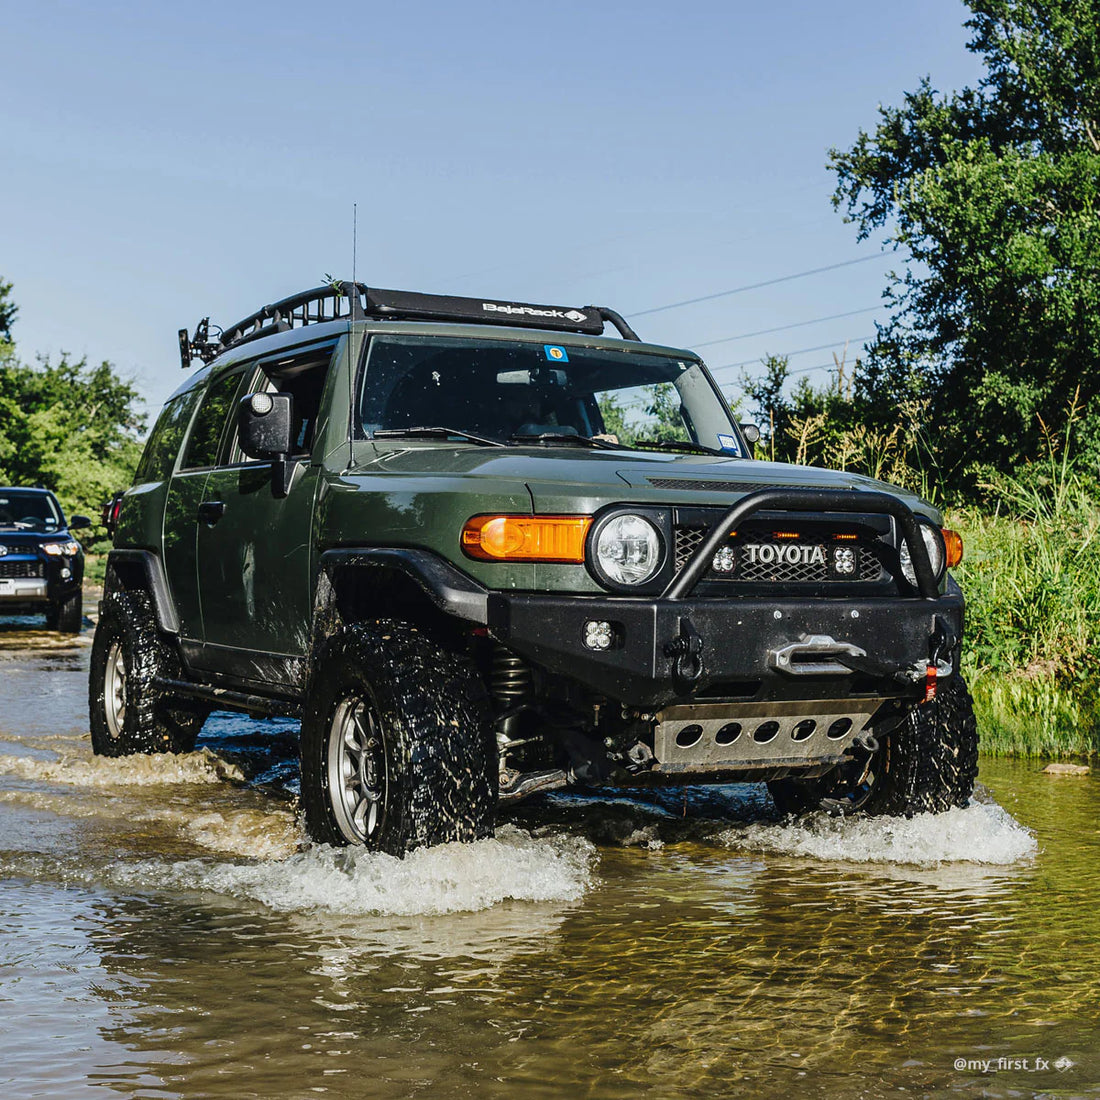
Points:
[(165, 932)]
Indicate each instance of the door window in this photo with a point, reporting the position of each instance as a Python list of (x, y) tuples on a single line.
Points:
[(303, 377), (163, 445), (209, 425)]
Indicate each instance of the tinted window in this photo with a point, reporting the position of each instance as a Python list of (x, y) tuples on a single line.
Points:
[(33, 511), (164, 441), (508, 390), (206, 432)]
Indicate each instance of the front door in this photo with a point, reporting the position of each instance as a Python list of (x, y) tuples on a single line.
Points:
[(185, 493), (254, 545)]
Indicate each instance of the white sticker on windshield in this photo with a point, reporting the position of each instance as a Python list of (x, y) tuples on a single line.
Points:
[(728, 443)]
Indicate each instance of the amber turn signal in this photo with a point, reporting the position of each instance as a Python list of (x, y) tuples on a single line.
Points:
[(952, 540), (526, 538)]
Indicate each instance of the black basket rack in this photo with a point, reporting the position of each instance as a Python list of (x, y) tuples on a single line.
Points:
[(357, 302)]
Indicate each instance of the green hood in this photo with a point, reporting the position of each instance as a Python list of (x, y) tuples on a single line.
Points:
[(568, 479)]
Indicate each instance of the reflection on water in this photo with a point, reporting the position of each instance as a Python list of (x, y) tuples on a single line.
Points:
[(166, 931)]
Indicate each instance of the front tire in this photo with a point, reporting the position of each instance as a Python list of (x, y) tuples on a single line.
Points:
[(67, 615), (397, 751), (127, 713), (927, 765)]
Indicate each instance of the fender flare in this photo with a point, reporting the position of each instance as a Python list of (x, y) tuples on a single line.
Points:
[(449, 589), (156, 583)]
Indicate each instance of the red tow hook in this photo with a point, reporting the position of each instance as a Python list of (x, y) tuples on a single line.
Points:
[(931, 680)]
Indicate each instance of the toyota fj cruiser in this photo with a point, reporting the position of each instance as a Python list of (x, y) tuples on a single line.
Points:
[(41, 564), (483, 550)]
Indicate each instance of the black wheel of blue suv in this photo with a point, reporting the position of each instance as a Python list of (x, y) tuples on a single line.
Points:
[(67, 615), (397, 752)]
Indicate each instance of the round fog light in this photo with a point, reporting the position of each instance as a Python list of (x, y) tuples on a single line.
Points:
[(66, 574), (598, 634)]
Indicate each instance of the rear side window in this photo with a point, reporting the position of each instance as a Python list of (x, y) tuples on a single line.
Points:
[(164, 440), (206, 432)]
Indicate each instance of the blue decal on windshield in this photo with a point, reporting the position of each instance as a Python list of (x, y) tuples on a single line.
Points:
[(556, 354), (728, 443)]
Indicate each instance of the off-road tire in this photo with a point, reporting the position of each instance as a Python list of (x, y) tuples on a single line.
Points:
[(434, 772), (67, 615), (927, 765), (152, 721)]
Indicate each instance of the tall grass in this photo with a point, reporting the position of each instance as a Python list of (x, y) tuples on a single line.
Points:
[(1032, 581)]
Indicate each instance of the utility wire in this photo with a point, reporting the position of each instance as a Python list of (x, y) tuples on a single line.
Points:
[(730, 387), (784, 328), (800, 351), (757, 286)]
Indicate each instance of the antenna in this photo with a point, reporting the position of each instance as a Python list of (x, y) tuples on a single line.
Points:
[(351, 314)]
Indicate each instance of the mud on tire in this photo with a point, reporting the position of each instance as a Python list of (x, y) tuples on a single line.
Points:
[(927, 765), (397, 750), (127, 713)]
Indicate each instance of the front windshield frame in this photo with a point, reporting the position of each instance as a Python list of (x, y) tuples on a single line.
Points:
[(14, 518), (581, 365)]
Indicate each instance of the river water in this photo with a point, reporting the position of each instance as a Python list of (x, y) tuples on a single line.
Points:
[(166, 932)]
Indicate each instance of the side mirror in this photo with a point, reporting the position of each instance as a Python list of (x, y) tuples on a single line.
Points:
[(751, 433), (264, 425), (77, 522)]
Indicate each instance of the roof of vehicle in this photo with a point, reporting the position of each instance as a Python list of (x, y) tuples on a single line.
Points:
[(323, 332), (284, 324), (358, 302)]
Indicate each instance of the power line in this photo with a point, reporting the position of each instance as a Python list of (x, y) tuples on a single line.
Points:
[(800, 351), (731, 387), (801, 370), (784, 328), (757, 286)]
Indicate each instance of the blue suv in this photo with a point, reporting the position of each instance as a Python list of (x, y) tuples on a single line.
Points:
[(41, 564)]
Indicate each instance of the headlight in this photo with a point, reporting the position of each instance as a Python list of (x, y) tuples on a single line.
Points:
[(933, 543), (61, 549), (628, 549)]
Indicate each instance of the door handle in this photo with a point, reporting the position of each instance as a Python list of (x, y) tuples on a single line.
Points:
[(210, 511)]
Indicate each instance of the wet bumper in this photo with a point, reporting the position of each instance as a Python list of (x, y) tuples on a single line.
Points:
[(760, 648)]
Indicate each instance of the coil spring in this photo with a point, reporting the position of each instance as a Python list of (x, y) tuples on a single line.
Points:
[(511, 680)]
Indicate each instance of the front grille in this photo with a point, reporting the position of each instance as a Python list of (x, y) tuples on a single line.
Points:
[(747, 571), (21, 570)]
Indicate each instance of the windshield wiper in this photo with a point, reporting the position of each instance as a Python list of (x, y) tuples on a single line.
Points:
[(565, 437), (436, 432), (679, 445)]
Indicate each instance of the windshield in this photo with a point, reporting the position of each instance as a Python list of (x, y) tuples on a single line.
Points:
[(519, 391), (28, 510)]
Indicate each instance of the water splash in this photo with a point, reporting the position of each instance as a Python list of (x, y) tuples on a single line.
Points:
[(450, 878), (149, 770), (256, 834), (983, 833)]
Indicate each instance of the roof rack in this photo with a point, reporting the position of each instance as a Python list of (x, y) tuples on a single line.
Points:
[(357, 302)]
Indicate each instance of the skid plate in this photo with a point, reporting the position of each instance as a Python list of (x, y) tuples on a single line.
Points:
[(713, 736)]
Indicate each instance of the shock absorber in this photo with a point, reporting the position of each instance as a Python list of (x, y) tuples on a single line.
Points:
[(512, 684), (511, 681)]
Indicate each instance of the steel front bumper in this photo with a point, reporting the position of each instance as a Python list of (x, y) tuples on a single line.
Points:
[(740, 644), (23, 590)]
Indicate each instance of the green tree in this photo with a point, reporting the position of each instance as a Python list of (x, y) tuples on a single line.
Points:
[(67, 426), (8, 310), (662, 406), (992, 195)]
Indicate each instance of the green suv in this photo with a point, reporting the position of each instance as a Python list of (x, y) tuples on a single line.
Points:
[(482, 549)]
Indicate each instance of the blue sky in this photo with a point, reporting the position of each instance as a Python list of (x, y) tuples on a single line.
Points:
[(164, 162)]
